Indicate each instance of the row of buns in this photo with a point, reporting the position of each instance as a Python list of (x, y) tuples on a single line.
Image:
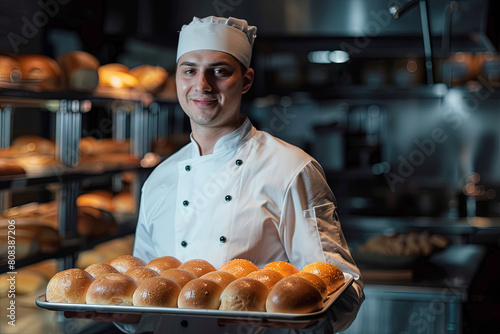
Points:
[(238, 285), (37, 224), (410, 243), (77, 71), (32, 155)]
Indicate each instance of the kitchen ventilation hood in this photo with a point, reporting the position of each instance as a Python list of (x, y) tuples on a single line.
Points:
[(462, 25)]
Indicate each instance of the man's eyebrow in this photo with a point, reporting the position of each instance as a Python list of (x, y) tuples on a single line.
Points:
[(187, 63), (220, 63)]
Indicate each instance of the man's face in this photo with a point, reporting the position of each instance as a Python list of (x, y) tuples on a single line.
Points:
[(210, 85)]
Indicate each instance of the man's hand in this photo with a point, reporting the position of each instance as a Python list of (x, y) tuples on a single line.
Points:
[(128, 318)]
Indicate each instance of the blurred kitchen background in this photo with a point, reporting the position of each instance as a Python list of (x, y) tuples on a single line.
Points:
[(398, 100)]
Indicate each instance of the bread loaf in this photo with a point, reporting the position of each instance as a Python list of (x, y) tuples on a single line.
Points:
[(200, 293), (140, 274), (162, 263), (151, 78), (98, 269), (34, 143), (181, 276), (294, 295), (116, 76), (198, 267), (239, 267), (69, 286), (157, 292), (112, 289), (99, 199), (124, 202), (125, 262), (10, 169), (244, 294), (40, 73), (80, 70), (284, 268), (221, 277), (329, 273), (266, 276), (316, 281), (10, 71)]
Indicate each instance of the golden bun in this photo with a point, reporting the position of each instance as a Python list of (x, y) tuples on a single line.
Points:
[(99, 199), (181, 276), (157, 292), (316, 281), (112, 289), (40, 72), (69, 286), (197, 266), (124, 203), (239, 267), (284, 268), (99, 269), (8, 168), (244, 294), (34, 144), (330, 273), (266, 276), (294, 294), (151, 78), (139, 274), (123, 263), (200, 293), (79, 70), (162, 263), (116, 75), (221, 277), (10, 71)]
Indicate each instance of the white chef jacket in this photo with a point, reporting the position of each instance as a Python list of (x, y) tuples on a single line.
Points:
[(255, 197)]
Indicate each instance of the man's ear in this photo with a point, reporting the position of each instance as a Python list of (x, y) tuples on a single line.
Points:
[(248, 80)]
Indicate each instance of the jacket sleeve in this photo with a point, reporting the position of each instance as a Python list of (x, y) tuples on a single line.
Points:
[(311, 232)]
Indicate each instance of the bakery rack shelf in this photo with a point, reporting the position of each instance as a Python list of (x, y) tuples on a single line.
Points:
[(23, 181), (72, 246), (135, 116)]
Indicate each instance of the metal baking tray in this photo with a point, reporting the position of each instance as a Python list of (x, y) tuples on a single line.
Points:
[(232, 315)]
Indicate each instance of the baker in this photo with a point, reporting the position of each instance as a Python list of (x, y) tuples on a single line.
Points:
[(235, 191)]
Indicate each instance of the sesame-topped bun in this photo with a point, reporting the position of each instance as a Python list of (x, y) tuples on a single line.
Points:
[(244, 294), (239, 267), (284, 268), (316, 281), (181, 276), (69, 286), (99, 269), (139, 274), (200, 293), (266, 276), (294, 294), (157, 292), (197, 266), (221, 277), (331, 274), (112, 289), (125, 262), (160, 264)]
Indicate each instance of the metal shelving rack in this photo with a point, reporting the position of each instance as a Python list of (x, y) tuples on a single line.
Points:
[(68, 108)]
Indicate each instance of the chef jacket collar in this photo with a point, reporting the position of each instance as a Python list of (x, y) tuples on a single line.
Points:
[(230, 141)]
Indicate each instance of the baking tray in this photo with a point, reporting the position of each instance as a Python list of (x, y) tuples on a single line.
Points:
[(232, 315)]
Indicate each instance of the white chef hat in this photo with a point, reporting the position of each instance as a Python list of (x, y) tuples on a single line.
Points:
[(230, 35)]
